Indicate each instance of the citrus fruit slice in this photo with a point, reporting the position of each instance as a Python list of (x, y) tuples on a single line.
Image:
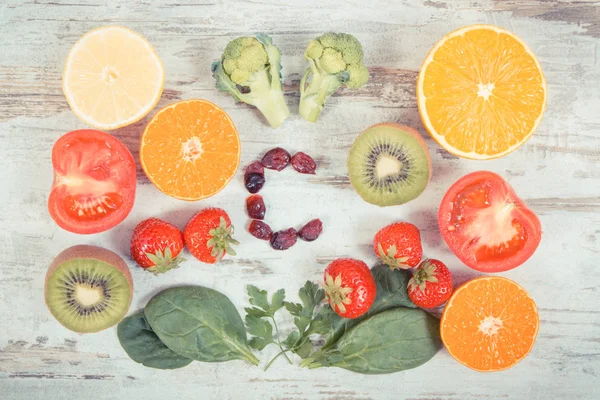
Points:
[(112, 77), (190, 150), (481, 92), (489, 324)]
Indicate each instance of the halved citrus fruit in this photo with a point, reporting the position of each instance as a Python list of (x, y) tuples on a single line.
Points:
[(112, 77), (190, 150), (481, 92), (489, 324)]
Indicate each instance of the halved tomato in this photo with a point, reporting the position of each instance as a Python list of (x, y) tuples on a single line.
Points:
[(94, 181), (486, 225)]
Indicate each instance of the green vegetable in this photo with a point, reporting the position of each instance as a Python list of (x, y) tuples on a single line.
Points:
[(306, 319), (392, 292), (391, 341), (250, 70), (199, 323), (259, 317), (143, 346), (335, 59)]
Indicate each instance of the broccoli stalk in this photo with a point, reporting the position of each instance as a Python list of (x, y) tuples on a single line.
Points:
[(250, 70), (335, 60)]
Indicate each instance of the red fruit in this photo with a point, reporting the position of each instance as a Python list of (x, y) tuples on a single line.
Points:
[(255, 168), (283, 240), (311, 231), (208, 235), (486, 224), (349, 287), (254, 182), (254, 177), (94, 182), (276, 159), (255, 206), (399, 245), (156, 244), (304, 163), (431, 284), (260, 230)]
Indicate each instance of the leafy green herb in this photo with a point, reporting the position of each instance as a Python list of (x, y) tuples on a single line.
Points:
[(392, 292), (306, 319), (391, 341), (259, 318), (143, 346), (199, 323)]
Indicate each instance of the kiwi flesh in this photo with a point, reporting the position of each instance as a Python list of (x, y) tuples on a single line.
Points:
[(88, 288), (389, 164)]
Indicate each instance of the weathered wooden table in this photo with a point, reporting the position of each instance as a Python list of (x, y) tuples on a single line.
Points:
[(557, 172)]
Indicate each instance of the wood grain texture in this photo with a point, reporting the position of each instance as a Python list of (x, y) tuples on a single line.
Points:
[(557, 172)]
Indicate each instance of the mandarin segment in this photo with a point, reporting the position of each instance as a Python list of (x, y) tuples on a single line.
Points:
[(190, 150), (489, 324), (481, 92)]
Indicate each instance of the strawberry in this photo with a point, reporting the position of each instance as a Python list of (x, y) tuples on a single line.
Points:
[(349, 287), (431, 284), (156, 244), (208, 235), (399, 245)]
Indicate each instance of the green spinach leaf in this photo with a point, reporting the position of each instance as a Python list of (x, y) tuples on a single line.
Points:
[(199, 323), (391, 341), (392, 292), (143, 346)]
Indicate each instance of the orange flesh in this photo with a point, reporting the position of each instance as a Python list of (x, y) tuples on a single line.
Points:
[(489, 324), (190, 150), (491, 227), (483, 92)]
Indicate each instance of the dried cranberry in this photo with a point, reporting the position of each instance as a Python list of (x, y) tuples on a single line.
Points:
[(304, 163), (255, 168), (260, 230), (254, 182), (276, 159), (283, 240), (311, 231), (255, 206)]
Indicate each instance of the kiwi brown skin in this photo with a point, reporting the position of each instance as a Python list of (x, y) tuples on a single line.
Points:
[(411, 131), (90, 252)]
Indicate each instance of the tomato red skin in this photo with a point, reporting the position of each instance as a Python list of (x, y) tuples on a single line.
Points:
[(127, 190), (355, 274), (521, 212)]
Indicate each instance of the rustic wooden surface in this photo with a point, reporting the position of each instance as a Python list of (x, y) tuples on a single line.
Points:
[(557, 172)]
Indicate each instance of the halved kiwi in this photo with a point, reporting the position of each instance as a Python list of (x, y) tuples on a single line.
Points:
[(389, 164), (88, 288)]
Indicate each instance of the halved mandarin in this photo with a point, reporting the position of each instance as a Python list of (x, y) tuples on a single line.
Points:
[(190, 150), (481, 92), (489, 324)]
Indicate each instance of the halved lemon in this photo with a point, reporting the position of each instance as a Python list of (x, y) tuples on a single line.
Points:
[(481, 92), (112, 77)]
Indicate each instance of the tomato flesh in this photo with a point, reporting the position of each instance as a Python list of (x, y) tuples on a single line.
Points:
[(486, 225), (94, 182)]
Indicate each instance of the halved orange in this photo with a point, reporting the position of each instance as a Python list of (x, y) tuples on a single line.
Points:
[(112, 77), (489, 324), (481, 92), (190, 150)]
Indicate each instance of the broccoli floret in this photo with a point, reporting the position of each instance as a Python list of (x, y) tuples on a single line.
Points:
[(250, 70), (335, 59)]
